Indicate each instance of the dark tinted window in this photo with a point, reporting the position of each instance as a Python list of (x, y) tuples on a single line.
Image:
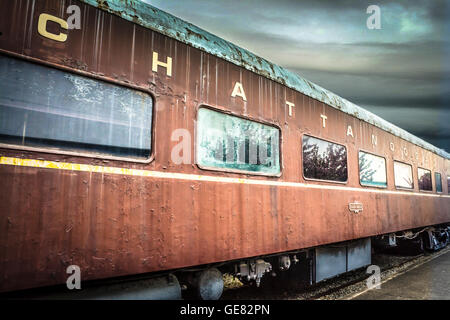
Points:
[(372, 170), (47, 107), (324, 160), (424, 177), (229, 142), (448, 184), (438, 179)]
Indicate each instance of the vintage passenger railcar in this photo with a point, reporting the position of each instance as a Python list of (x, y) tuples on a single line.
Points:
[(136, 144)]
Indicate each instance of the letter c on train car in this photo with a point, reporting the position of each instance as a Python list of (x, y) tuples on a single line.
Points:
[(42, 27)]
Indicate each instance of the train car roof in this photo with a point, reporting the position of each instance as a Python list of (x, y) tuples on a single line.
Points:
[(155, 19)]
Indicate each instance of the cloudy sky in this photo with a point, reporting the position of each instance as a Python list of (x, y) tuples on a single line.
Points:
[(400, 72)]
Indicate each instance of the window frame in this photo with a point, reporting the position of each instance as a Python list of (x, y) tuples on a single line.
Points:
[(385, 169), (92, 155), (431, 176), (234, 114), (435, 186), (412, 175), (330, 141)]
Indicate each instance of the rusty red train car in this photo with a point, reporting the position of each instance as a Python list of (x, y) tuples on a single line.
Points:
[(138, 148)]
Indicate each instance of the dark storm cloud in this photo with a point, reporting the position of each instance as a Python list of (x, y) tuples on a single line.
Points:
[(400, 72), (422, 102)]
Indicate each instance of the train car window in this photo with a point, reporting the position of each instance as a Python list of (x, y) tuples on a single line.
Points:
[(424, 177), (372, 170), (448, 184), (438, 179), (46, 107), (231, 143), (403, 175), (323, 160)]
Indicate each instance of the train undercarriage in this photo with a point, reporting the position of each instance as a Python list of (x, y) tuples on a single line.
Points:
[(305, 267), (310, 266)]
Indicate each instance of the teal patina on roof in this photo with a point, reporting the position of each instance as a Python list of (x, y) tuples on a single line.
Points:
[(155, 19)]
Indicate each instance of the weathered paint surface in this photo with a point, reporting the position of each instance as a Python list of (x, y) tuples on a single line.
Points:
[(112, 218), (153, 18)]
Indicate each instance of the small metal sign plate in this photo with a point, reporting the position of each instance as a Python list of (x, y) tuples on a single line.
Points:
[(355, 207)]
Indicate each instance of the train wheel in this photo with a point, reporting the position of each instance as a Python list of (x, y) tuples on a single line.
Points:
[(209, 284)]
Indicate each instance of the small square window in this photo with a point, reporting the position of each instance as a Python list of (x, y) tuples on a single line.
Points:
[(403, 175), (324, 160), (424, 177), (232, 143), (372, 170)]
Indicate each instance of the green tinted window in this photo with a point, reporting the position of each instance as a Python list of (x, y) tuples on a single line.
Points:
[(438, 180), (229, 142)]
